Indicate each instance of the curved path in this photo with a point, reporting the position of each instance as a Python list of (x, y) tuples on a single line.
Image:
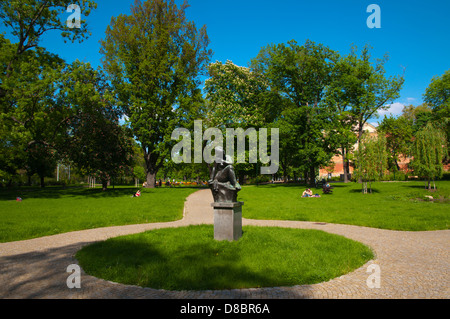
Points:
[(412, 264)]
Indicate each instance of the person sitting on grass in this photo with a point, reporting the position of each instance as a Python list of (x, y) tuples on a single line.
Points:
[(327, 189), (307, 193)]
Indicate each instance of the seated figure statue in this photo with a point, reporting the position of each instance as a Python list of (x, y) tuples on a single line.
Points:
[(223, 183)]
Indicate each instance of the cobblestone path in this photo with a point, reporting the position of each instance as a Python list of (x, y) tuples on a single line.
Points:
[(411, 264)]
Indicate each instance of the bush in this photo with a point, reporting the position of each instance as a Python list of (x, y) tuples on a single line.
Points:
[(260, 179), (54, 182), (399, 176)]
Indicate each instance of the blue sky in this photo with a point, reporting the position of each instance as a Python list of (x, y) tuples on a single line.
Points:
[(415, 33)]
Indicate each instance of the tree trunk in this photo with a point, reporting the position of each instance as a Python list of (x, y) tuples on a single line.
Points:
[(42, 181), (104, 185), (152, 167), (241, 178), (151, 179), (360, 134), (312, 176), (345, 164)]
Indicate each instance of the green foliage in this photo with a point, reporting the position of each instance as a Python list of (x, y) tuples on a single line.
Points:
[(438, 96), (28, 20), (399, 134), (236, 96), (429, 149), (371, 160), (288, 70), (139, 172), (359, 90), (94, 140), (28, 111), (154, 57)]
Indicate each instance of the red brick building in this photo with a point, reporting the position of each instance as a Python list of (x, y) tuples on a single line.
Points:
[(337, 169)]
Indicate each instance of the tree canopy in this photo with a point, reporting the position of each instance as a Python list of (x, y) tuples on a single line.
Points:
[(428, 150), (154, 57)]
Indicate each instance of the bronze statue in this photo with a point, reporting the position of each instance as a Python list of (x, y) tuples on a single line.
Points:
[(223, 183)]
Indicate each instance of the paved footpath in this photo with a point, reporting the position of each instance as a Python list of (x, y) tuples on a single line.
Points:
[(412, 264)]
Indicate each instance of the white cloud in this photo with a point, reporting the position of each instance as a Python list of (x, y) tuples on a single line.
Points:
[(394, 109)]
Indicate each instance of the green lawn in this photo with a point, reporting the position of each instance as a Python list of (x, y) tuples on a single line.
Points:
[(189, 258), (397, 206), (54, 210)]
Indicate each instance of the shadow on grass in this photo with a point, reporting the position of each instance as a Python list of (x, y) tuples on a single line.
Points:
[(196, 266), (334, 184), (59, 192), (55, 193), (278, 185), (424, 186), (374, 190)]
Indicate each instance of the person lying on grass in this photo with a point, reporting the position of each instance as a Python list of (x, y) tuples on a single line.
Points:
[(138, 194)]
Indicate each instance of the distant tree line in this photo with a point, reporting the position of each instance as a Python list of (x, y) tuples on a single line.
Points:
[(117, 120)]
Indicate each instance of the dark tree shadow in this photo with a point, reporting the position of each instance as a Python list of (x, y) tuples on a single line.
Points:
[(59, 192), (374, 190)]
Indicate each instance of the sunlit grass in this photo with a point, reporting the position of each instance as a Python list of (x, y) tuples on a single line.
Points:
[(398, 206), (54, 210)]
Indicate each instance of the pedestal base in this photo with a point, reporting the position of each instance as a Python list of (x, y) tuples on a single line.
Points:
[(227, 221)]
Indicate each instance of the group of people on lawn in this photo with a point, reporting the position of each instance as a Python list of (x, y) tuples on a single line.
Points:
[(308, 193), (326, 189)]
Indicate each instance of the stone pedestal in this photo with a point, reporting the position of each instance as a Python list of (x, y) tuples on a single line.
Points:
[(227, 221)]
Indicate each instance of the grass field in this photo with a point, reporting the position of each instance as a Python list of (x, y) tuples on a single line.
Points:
[(397, 206), (52, 211), (392, 205), (189, 259)]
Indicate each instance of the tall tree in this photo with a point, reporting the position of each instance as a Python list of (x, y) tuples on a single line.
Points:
[(237, 98), (411, 112), (28, 111), (398, 132), (338, 97), (26, 88), (299, 74), (154, 57), (28, 20), (437, 95), (94, 141), (371, 160), (363, 89), (368, 89), (429, 149)]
